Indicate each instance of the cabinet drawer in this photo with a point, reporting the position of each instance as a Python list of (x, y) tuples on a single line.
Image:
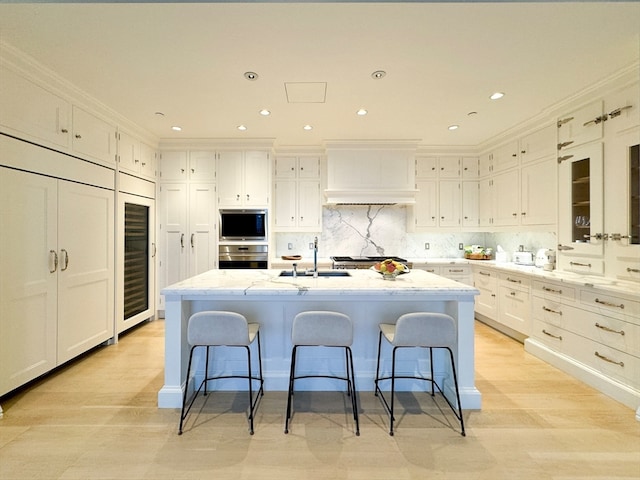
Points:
[(455, 271), (514, 308), (550, 311), (617, 307), (610, 362), (553, 290), (550, 335), (515, 282)]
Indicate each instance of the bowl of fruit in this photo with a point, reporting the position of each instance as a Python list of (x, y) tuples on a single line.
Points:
[(390, 269)]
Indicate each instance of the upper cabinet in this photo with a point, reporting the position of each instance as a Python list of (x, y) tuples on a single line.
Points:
[(244, 178), (538, 145), (192, 165), (297, 194), (136, 157), (93, 137)]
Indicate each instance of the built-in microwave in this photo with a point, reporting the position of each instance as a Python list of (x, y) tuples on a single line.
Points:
[(243, 224)]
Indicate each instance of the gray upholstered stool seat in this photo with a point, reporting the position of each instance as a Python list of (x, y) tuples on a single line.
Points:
[(419, 330), (229, 329), (326, 329)]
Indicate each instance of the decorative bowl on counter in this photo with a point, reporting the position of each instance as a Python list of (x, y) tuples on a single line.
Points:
[(390, 269)]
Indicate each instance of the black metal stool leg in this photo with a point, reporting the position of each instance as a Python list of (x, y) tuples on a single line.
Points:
[(290, 391)]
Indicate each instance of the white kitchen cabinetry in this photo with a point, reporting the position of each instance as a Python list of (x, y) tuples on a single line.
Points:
[(45, 119), (297, 194), (425, 211), (136, 157), (505, 156), (514, 302), (458, 272), (57, 264), (470, 168), (187, 231), (580, 126), (93, 138), (449, 203), (539, 144), (499, 200), (244, 179), (580, 210), (486, 281), (590, 334), (538, 193), (193, 165), (449, 167), (426, 166), (470, 204)]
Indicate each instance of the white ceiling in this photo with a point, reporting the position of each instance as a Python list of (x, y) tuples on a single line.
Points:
[(443, 60)]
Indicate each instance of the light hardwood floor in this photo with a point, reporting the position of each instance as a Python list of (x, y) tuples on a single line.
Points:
[(97, 419)]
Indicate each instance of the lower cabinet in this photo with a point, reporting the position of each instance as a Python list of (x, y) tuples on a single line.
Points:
[(514, 303), (486, 281), (56, 273)]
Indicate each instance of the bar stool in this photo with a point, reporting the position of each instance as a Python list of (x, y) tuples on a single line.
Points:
[(327, 329), (419, 330), (215, 329)]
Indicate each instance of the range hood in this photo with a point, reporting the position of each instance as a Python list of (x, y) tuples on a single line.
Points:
[(371, 174)]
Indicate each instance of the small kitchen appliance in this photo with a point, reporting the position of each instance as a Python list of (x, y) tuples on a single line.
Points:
[(523, 258), (545, 259)]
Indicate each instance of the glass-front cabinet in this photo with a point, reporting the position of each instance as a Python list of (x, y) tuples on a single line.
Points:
[(580, 196)]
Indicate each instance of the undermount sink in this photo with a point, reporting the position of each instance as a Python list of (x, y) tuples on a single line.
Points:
[(330, 273)]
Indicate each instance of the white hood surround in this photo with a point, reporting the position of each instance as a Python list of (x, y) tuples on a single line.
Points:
[(371, 172)]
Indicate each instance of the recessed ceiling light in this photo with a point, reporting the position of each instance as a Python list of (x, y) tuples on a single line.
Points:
[(361, 112), (496, 96), (453, 127), (308, 127), (252, 76), (378, 74), (264, 112), (176, 128), (242, 128)]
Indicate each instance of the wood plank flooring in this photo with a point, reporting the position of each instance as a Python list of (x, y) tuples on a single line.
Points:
[(97, 419)]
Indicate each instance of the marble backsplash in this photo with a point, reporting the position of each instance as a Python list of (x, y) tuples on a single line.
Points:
[(381, 230)]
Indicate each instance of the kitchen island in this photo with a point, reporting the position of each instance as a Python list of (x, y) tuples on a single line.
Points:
[(265, 297)]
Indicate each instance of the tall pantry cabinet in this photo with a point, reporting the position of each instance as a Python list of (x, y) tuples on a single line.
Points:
[(56, 263)]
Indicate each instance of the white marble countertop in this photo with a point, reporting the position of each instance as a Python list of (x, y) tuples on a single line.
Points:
[(360, 282)]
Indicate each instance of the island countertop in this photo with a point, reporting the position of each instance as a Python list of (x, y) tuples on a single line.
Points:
[(263, 296), (360, 282)]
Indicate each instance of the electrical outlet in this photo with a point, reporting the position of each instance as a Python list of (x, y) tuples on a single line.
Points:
[(290, 246), (427, 246), (311, 246), (460, 246)]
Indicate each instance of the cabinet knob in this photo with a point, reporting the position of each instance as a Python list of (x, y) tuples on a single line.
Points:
[(238, 197), (523, 213), (523, 151), (247, 196), (64, 130), (193, 170), (78, 136), (182, 170)]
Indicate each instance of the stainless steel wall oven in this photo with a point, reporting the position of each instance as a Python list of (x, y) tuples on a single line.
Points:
[(243, 256)]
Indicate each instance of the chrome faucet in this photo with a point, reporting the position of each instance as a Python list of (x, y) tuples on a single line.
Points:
[(315, 257), (295, 270)]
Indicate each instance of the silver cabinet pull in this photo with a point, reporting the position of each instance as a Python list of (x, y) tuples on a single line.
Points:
[(182, 240), (607, 329), (559, 337), (546, 309), (509, 279), (54, 254), (577, 264), (633, 270), (564, 144), (66, 259), (609, 304), (618, 111), (564, 247), (547, 289), (485, 274), (606, 359), (192, 235), (597, 120), (153, 249), (563, 121), (563, 158)]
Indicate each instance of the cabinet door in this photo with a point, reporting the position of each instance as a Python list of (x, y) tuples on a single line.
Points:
[(449, 203), (485, 164), (623, 110), (426, 167), (309, 167), (44, 117), (470, 167), (202, 228), (286, 167), (514, 308), (580, 203), (173, 166), (506, 156), (580, 126), (147, 161), (93, 137), (257, 178), (285, 204), (426, 207), (506, 191), (486, 202), (538, 193), (128, 153), (539, 144), (309, 204), (470, 204), (487, 284), (28, 277), (449, 167), (202, 166), (172, 229), (229, 179), (87, 269)]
